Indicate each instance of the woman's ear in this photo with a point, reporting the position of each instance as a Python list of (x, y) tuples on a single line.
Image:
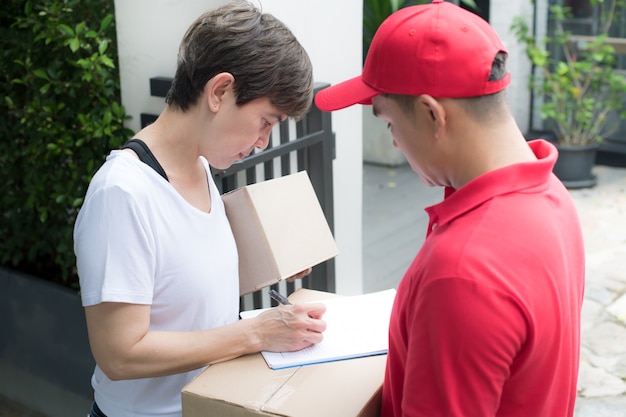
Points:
[(217, 88)]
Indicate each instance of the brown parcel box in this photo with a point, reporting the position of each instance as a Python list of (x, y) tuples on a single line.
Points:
[(247, 387), (279, 228)]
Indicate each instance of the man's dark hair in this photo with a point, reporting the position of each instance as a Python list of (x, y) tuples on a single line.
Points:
[(481, 108), (488, 107), (260, 52)]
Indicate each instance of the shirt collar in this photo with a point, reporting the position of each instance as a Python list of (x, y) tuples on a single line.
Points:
[(513, 178)]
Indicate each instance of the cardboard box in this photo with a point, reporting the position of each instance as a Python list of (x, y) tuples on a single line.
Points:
[(247, 387), (280, 230)]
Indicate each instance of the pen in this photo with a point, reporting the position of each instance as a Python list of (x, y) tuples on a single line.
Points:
[(281, 299)]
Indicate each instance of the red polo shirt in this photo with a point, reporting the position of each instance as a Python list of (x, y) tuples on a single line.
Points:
[(486, 320)]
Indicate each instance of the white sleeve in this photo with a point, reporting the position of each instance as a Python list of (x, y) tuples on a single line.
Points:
[(115, 249)]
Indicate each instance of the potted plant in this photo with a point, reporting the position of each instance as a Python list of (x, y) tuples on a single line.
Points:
[(582, 93)]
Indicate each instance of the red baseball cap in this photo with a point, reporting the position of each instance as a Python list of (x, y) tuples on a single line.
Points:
[(438, 49)]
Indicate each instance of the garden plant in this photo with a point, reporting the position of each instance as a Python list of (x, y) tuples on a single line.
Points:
[(60, 115), (583, 93)]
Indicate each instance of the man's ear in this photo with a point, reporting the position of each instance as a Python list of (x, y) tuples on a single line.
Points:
[(216, 89), (436, 112)]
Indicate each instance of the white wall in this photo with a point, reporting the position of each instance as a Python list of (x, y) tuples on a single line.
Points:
[(502, 14), (149, 32)]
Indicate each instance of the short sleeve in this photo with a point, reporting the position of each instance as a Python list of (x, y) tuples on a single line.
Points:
[(114, 249)]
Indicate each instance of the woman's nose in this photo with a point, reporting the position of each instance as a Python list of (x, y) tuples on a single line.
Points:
[(263, 141)]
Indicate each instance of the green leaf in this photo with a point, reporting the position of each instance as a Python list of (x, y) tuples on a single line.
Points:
[(562, 69), (66, 29), (39, 73), (471, 3), (106, 22), (107, 61), (80, 27), (74, 44), (102, 47)]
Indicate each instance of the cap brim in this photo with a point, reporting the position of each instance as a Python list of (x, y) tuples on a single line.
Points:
[(345, 94)]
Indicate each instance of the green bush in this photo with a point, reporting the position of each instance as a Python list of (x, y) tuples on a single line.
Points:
[(60, 115)]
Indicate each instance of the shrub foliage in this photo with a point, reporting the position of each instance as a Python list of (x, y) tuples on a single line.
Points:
[(60, 115), (583, 92)]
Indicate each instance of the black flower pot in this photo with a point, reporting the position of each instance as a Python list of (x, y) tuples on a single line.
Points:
[(574, 164)]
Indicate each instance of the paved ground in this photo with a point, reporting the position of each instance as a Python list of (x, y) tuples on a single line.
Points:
[(10, 408), (601, 386)]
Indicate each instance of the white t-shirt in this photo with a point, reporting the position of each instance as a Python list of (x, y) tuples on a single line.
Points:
[(138, 241)]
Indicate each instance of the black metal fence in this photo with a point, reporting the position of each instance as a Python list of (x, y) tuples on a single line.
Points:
[(308, 144)]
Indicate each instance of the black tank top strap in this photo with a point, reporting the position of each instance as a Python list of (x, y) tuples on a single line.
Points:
[(145, 155)]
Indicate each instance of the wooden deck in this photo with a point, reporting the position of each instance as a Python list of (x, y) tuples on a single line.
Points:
[(394, 222)]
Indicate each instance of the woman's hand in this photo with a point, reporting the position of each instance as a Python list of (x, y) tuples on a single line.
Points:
[(290, 328)]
